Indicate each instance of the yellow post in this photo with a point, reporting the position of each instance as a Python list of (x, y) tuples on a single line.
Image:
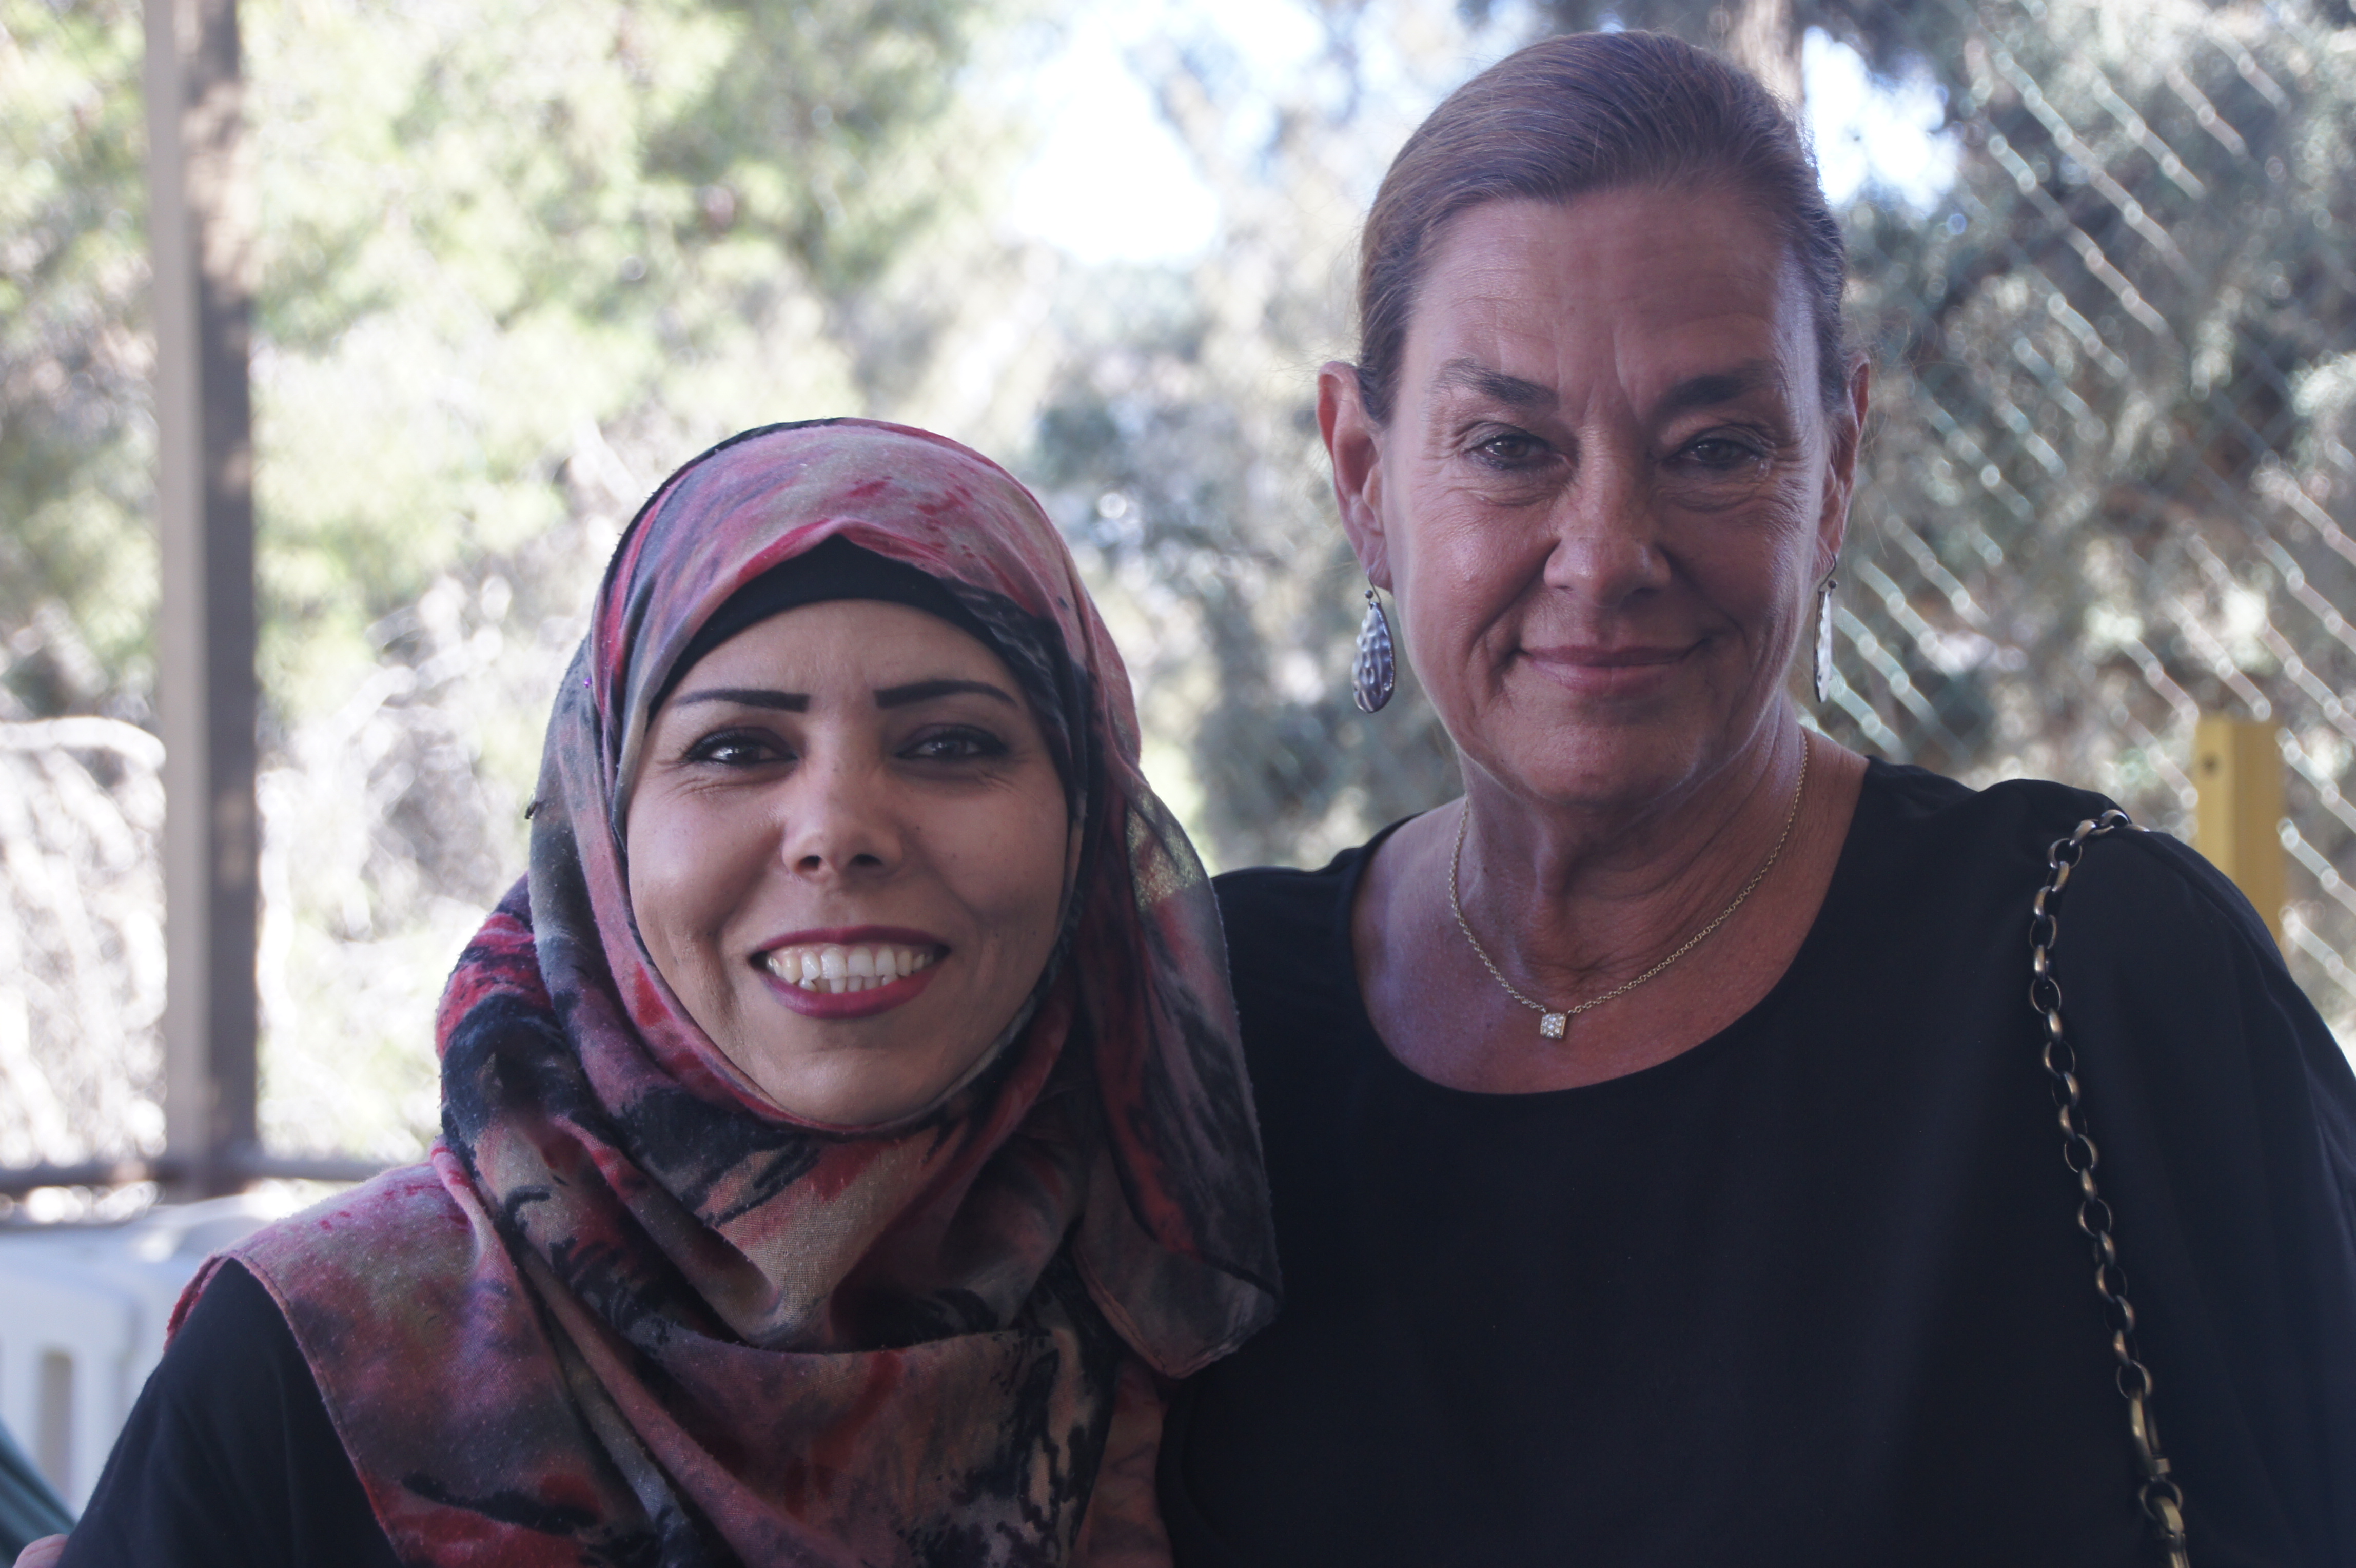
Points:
[(2237, 764)]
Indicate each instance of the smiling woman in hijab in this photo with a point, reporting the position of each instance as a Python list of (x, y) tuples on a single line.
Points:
[(844, 1127)]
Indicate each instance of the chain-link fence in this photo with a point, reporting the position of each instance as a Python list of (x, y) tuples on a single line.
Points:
[(2109, 488)]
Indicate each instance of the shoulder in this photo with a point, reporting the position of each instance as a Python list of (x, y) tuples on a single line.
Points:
[(2138, 878), (233, 1363), (1288, 956), (1281, 896), (231, 1337), (1920, 809), (229, 1456), (331, 1268), (407, 1215), (2162, 960), (1944, 840), (1282, 922)]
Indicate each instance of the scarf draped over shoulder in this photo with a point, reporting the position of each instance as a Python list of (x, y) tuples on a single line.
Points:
[(629, 1312)]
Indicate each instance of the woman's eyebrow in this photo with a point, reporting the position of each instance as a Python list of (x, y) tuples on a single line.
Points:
[(1474, 376), (1719, 386), (746, 697), (925, 690)]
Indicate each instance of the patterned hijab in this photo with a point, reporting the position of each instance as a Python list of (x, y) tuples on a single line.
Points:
[(631, 1312)]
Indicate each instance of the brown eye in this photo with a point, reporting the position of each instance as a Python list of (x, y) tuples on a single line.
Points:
[(961, 744), (739, 749), (1721, 454), (1511, 449)]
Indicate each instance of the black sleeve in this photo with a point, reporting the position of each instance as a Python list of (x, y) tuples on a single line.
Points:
[(228, 1459)]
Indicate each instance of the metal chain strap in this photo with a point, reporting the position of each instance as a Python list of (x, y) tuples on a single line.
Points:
[(2161, 1499)]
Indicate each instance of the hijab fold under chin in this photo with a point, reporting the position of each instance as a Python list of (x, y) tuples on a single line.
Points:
[(630, 1311)]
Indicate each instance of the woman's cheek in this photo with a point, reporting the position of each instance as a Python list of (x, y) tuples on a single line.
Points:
[(689, 866), (1031, 846), (1751, 561)]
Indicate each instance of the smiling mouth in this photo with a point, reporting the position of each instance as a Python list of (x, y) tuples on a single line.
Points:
[(1609, 658), (839, 969)]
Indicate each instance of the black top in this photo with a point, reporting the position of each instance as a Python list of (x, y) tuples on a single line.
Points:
[(1812, 1292), (228, 1459)]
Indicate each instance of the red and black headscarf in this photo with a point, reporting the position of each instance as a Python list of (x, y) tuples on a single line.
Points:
[(631, 1312)]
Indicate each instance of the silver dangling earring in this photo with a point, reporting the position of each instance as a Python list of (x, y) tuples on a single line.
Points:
[(1824, 660), (1374, 674)]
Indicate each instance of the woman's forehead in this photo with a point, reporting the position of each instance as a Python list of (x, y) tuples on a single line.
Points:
[(852, 641), (1649, 287)]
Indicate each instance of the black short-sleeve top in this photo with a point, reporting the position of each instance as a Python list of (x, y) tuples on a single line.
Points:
[(1813, 1292)]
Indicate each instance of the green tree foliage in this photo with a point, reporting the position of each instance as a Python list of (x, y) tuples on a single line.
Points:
[(517, 258), (522, 234), (77, 559), (491, 236), (1180, 446)]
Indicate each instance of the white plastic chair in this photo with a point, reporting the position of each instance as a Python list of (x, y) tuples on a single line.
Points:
[(83, 1315)]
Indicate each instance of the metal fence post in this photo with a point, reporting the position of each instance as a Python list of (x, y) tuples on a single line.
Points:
[(200, 231), (2237, 766)]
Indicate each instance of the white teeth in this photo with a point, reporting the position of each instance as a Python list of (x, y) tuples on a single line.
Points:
[(837, 971)]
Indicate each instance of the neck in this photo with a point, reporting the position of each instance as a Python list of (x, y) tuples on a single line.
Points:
[(1574, 898)]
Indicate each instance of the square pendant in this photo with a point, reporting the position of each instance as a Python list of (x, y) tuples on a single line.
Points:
[(1550, 1025)]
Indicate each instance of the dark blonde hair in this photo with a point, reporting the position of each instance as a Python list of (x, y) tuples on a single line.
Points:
[(1584, 113)]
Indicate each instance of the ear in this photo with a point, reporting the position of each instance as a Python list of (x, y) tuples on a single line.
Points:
[(1353, 440), (1840, 478)]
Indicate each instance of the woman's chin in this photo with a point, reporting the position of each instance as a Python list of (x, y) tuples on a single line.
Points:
[(1589, 763), (860, 1086), (860, 1059), (1615, 746)]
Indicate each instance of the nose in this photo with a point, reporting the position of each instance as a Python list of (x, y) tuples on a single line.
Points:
[(1607, 548), (839, 824)]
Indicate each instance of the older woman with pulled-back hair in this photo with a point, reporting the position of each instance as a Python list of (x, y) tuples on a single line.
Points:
[(1681, 1150)]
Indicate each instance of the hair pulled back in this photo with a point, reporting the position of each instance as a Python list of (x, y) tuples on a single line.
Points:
[(1584, 113)]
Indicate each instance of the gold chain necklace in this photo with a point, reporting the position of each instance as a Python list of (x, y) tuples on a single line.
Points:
[(1552, 1022)]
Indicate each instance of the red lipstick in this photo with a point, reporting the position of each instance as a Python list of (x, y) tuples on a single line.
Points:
[(852, 1004)]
